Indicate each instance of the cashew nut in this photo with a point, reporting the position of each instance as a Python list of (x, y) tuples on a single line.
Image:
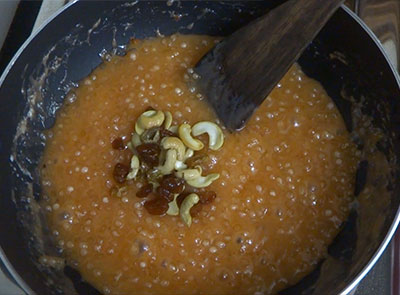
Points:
[(130, 146), (203, 181), (189, 153), (136, 140), (192, 143), (216, 137), (179, 165), (169, 163), (168, 119), (175, 143), (173, 129), (187, 204), (134, 168), (189, 174), (148, 120), (173, 208)]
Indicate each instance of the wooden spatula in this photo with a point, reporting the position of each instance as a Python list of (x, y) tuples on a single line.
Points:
[(239, 72)]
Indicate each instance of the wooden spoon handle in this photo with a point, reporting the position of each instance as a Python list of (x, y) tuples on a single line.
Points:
[(254, 59)]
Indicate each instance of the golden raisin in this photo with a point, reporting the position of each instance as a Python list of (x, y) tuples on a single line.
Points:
[(172, 184), (198, 159), (162, 192), (166, 132), (157, 206), (118, 144), (144, 191), (149, 153), (195, 210), (206, 197)]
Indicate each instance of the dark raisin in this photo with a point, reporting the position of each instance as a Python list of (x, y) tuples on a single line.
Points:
[(162, 192), (149, 153), (172, 184), (166, 132), (118, 144), (190, 189), (195, 210), (120, 172), (157, 206), (198, 159), (144, 191), (206, 197)]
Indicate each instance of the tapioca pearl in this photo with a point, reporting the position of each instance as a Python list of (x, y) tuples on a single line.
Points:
[(234, 207), (259, 188), (277, 149), (178, 114), (183, 45), (213, 250), (143, 264), (225, 174), (66, 226), (133, 56), (279, 181), (269, 115), (97, 273), (253, 169)]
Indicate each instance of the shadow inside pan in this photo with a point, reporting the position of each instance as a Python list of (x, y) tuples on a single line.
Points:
[(81, 287)]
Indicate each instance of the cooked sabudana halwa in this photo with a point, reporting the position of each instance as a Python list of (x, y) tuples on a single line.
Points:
[(147, 193)]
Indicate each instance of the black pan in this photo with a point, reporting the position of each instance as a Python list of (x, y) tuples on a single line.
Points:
[(345, 58)]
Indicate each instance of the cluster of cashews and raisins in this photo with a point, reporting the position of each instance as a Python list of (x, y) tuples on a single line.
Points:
[(161, 150)]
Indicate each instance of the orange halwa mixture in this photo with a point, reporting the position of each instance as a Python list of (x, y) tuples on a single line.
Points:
[(286, 182)]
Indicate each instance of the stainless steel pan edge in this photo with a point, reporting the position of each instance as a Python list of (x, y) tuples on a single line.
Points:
[(3, 258), (396, 221), (360, 276)]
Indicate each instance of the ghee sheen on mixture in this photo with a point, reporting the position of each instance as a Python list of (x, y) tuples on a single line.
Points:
[(286, 182)]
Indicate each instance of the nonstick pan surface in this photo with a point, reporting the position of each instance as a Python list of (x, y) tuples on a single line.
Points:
[(345, 58)]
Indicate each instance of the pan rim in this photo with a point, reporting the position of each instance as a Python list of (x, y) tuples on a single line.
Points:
[(19, 282), (350, 286), (385, 242)]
